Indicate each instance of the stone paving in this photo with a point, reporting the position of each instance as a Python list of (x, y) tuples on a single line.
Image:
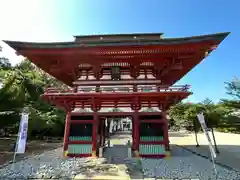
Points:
[(117, 153)]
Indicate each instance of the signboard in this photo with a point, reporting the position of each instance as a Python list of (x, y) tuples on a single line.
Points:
[(205, 130), (22, 134)]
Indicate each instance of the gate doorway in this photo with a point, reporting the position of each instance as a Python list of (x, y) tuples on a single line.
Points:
[(115, 136)]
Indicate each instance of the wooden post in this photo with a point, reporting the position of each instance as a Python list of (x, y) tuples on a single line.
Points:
[(195, 130), (136, 133), (136, 127), (166, 138), (94, 128), (66, 132), (94, 134)]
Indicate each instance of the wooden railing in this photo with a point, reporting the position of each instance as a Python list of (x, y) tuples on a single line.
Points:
[(115, 89), (56, 90)]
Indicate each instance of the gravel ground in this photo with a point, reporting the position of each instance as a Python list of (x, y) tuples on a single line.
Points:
[(50, 164), (184, 164)]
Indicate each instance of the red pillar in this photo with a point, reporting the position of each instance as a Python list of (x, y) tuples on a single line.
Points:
[(136, 131), (94, 134), (67, 131), (166, 138)]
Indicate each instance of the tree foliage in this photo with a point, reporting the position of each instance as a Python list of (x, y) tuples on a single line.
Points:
[(22, 86), (224, 115)]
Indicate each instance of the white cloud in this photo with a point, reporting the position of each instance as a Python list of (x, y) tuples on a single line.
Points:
[(28, 20)]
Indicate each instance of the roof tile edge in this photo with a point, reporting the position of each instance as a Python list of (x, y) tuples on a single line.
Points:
[(154, 38), (118, 37)]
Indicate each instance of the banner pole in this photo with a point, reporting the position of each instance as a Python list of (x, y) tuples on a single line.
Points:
[(14, 155), (16, 144), (204, 128), (21, 130)]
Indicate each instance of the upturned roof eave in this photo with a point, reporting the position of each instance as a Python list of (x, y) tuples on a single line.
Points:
[(164, 41)]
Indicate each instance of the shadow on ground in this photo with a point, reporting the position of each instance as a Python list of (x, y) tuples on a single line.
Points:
[(228, 156), (32, 148), (184, 163)]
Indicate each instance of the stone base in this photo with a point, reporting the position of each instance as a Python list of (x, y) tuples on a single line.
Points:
[(167, 154)]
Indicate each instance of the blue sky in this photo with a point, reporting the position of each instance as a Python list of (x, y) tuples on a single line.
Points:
[(59, 20)]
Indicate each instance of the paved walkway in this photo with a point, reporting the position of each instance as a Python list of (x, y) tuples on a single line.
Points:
[(228, 145), (118, 150), (118, 166), (117, 154)]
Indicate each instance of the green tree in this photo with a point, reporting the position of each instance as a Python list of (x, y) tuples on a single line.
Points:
[(22, 86), (231, 122), (185, 114)]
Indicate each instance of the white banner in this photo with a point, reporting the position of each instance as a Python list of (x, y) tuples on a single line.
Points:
[(22, 134), (205, 130)]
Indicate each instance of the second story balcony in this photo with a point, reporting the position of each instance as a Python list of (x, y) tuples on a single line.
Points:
[(120, 89)]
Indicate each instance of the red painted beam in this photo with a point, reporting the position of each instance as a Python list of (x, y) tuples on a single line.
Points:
[(121, 82), (116, 113), (120, 102), (124, 101), (81, 121), (117, 102)]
